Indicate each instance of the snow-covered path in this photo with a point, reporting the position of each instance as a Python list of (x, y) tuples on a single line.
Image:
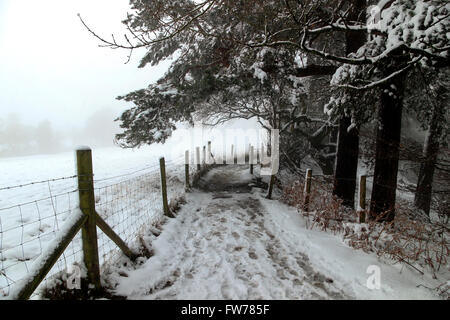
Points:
[(228, 242), (219, 247)]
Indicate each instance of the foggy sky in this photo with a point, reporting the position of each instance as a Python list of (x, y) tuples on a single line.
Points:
[(52, 72)]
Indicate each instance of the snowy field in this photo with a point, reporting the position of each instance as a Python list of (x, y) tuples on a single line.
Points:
[(127, 189), (31, 215)]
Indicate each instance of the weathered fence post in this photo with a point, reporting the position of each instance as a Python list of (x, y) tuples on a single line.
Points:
[(162, 165), (274, 162), (232, 153), (209, 158), (204, 156), (87, 206), (307, 190), (251, 160), (258, 156), (270, 190), (362, 199), (197, 156), (262, 156), (186, 169)]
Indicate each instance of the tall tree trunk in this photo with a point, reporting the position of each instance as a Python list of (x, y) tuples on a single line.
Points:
[(422, 199), (382, 206), (346, 165)]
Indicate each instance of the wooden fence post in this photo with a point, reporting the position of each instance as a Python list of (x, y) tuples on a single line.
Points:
[(258, 155), (186, 169), (199, 167), (262, 156), (209, 158), (307, 190), (271, 183), (362, 199), (87, 206), (162, 165), (251, 156), (273, 168), (204, 156), (232, 153)]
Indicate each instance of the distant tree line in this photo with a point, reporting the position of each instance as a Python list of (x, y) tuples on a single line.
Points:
[(21, 139)]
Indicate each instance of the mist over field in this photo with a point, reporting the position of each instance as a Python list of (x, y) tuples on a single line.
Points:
[(62, 93), (45, 137)]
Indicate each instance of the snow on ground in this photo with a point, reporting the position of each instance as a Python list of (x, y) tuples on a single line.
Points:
[(127, 196), (31, 216), (229, 242), (349, 268)]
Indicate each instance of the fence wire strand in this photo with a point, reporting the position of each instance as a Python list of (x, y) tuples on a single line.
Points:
[(28, 225)]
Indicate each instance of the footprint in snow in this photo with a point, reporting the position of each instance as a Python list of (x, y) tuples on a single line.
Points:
[(252, 255)]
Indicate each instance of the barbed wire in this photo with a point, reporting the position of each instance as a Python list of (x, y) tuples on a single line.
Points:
[(127, 174), (169, 162), (37, 182), (128, 206)]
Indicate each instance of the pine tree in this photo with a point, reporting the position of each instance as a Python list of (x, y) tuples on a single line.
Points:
[(409, 34), (348, 141)]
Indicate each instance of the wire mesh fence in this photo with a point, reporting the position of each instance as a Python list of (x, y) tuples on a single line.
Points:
[(132, 204), (27, 228), (31, 215)]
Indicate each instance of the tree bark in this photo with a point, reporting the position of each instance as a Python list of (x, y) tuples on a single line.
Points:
[(346, 165), (422, 199), (382, 206)]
